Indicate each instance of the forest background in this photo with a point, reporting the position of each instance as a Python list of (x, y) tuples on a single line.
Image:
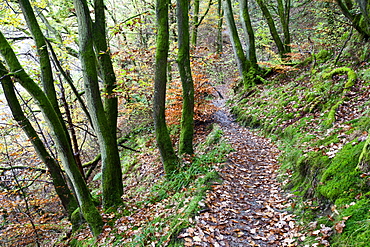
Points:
[(80, 78)]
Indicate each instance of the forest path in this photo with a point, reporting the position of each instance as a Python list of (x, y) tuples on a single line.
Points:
[(249, 207)]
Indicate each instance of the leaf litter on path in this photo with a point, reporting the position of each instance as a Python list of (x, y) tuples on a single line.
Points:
[(249, 207)]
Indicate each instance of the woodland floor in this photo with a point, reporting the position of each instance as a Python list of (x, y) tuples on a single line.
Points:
[(248, 208)]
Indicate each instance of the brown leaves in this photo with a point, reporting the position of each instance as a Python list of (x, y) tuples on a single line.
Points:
[(248, 208), (339, 226)]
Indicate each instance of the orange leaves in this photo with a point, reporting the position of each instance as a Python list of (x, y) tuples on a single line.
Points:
[(203, 91)]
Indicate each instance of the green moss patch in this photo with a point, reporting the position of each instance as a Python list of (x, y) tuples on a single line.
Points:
[(341, 178)]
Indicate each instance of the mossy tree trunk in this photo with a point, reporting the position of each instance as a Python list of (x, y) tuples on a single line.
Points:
[(64, 193), (197, 21), (61, 138), (242, 61), (183, 60), (42, 52), (272, 27), (107, 126), (220, 21), (360, 20), (194, 35), (365, 10), (284, 7), (45, 65), (168, 155), (249, 33)]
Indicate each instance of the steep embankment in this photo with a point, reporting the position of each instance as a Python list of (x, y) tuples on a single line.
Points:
[(318, 114)]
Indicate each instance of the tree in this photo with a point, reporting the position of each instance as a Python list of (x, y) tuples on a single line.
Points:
[(243, 63), (65, 195), (62, 140), (360, 20), (104, 118), (187, 121), (168, 155), (194, 35), (111, 165), (219, 26), (284, 13), (249, 33), (103, 114), (197, 21)]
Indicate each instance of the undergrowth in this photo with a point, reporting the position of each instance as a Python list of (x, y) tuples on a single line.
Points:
[(158, 208), (318, 116)]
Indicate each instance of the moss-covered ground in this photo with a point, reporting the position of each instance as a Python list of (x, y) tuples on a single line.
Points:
[(318, 114)]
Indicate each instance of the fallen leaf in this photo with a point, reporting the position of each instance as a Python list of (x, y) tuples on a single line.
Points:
[(339, 226)]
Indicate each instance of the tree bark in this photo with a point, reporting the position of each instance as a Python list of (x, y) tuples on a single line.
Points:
[(365, 9), (219, 26), (284, 15), (111, 165), (249, 33), (62, 141), (272, 27), (243, 63), (194, 35), (168, 155), (65, 195), (102, 120), (183, 60), (45, 64), (42, 51), (358, 21)]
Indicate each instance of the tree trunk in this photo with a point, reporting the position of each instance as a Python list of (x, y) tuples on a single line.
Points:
[(194, 35), (219, 26), (365, 10), (243, 63), (102, 121), (45, 64), (112, 172), (168, 155), (249, 33), (65, 195), (197, 21), (358, 21), (284, 15), (62, 141), (187, 121), (272, 27), (42, 52)]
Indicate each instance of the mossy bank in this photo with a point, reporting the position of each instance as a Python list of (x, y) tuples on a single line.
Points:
[(318, 114)]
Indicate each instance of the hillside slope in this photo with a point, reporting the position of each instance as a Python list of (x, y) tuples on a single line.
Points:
[(318, 114)]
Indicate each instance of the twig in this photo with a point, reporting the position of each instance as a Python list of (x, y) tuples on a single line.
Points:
[(344, 45)]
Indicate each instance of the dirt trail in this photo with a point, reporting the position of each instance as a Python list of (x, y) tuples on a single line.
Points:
[(248, 207)]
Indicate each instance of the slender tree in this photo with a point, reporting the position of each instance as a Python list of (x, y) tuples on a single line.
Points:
[(64, 193), (360, 20), (219, 26), (249, 33), (197, 21), (107, 126), (183, 60), (284, 7), (61, 138), (194, 35), (45, 63), (243, 63), (168, 155), (271, 24)]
